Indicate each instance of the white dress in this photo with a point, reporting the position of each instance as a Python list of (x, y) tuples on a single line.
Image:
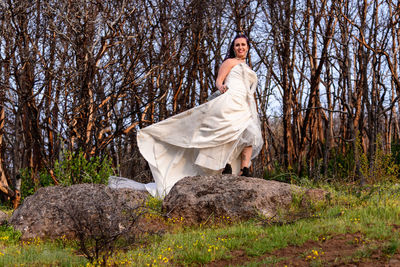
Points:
[(202, 140)]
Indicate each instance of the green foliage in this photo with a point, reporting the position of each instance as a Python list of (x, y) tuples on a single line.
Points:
[(381, 167), (73, 168), (8, 235), (341, 165), (280, 174), (296, 203), (154, 204), (38, 252), (395, 148), (391, 247), (28, 185)]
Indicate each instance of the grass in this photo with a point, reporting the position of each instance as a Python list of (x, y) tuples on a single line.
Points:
[(36, 252), (370, 211)]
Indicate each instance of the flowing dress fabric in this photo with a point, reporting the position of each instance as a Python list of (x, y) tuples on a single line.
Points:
[(202, 140)]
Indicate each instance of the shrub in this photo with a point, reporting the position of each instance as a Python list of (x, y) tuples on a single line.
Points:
[(8, 235), (73, 168), (76, 169), (381, 167), (341, 165), (102, 225)]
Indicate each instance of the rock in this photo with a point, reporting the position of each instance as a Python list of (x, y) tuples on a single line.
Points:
[(198, 198), (313, 196), (57, 210), (3, 217)]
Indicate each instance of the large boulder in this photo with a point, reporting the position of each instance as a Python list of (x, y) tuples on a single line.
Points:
[(58, 210), (197, 199)]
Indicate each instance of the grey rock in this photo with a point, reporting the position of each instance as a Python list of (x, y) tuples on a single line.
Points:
[(3, 217), (51, 212), (198, 198), (314, 195)]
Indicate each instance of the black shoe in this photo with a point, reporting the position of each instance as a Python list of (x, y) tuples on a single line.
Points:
[(245, 172), (228, 169)]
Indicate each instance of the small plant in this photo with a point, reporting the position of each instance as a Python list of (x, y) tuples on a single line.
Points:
[(73, 168), (28, 185), (154, 204), (102, 225), (314, 254), (381, 167), (391, 248), (297, 199), (281, 175), (341, 165), (8, 235)]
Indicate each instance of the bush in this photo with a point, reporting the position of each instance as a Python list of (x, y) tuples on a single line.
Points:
[(74, 168), (103, 225), (341, 165), (381, 167), (8, 235)]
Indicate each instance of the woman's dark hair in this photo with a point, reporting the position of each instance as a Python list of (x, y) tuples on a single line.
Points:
[(231, 51)]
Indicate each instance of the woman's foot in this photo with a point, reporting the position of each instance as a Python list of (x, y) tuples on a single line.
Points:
[(245, 172), (228, 169), (246, 157)]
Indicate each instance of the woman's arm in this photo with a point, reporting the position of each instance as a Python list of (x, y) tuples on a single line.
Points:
[(223, 71)]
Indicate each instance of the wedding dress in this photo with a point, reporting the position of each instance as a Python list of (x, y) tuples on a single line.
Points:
[(202, 140)]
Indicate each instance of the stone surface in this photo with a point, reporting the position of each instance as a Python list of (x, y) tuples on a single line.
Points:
[(3, 217), (314, 195), (198, 198), (50, 211)]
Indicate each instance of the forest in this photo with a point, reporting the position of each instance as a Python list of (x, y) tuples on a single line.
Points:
[(80, 77)]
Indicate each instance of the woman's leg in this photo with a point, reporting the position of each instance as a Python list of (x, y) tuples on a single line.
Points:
[(246, 157)]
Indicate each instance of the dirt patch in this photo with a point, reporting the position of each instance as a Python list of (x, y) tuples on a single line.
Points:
[(396, 227), (153, 224), (335, 250), (339, 250)]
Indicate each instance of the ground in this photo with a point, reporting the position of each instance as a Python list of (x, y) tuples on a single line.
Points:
[(339, 250), (334, 250)]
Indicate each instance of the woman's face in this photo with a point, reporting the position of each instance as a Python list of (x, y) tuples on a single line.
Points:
[(240, 47)]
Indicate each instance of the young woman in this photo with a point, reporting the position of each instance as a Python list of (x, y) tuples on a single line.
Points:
[(222, 135)]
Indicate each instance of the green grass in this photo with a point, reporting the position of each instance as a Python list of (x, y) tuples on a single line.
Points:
[(37, 253), (370, 211)]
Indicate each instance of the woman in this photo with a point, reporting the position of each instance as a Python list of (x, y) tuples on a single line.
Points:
[(220, 135), (237, 54)]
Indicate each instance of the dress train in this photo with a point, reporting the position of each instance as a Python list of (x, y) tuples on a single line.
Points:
[(202, 140)]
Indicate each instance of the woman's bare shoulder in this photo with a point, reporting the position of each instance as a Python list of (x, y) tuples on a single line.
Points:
[(230, 62)]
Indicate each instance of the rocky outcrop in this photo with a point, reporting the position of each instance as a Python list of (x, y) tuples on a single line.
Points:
[(57, 210), (91, 208), (199, 198)]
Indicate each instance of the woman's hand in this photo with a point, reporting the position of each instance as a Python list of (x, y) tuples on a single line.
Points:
[(223, 88)]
